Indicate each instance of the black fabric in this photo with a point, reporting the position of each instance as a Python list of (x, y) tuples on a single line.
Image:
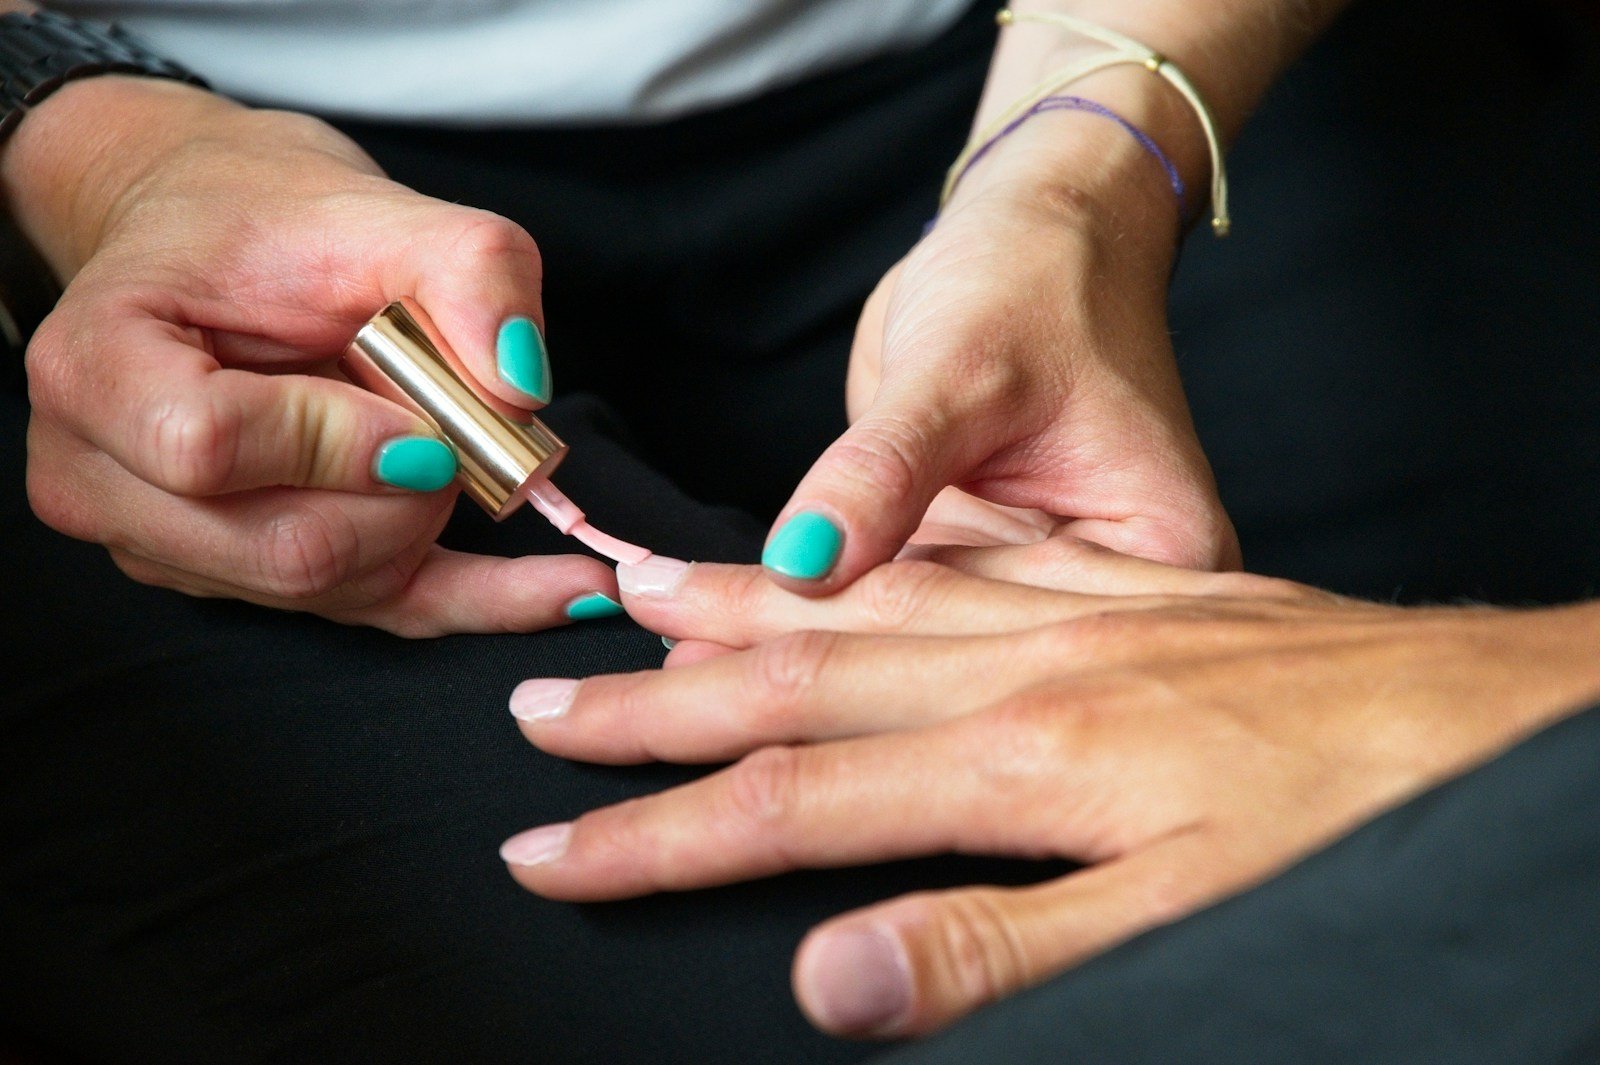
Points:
[(229, 835), (1462, 927)]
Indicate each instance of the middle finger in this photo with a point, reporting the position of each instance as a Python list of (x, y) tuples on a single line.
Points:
[(806, 687)]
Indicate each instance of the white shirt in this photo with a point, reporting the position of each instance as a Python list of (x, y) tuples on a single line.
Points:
[(484, 62)]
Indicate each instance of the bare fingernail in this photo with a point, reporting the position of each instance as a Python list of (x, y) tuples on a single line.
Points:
[(657, 577), (542, 700), (668, 642), (860, 981), (537, 846)]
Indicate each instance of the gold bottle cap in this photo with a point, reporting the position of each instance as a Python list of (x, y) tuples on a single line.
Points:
[(401, 356)]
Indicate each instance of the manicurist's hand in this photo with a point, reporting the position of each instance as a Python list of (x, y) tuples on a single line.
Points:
[(1021, 352), (185, 410), (1183, 735)]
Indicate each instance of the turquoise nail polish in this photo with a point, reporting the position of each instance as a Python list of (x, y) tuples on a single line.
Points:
[(521, 358), (592, 606), (805, 548), (419, 463)]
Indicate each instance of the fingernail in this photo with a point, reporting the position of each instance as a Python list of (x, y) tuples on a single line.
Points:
[(657, 577), (542, 700), (537, 846), (417, 463), (805, 548), (861, 981), (521, 358), (668, 644), (592, 606)]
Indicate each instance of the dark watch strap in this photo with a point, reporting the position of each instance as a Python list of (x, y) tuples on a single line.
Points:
[(41, 52)]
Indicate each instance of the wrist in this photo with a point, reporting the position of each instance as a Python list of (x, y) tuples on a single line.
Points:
[(1086, 171), (76, 155)]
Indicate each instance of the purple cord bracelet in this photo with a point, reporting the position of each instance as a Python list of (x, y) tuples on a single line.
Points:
[(1078, 103)]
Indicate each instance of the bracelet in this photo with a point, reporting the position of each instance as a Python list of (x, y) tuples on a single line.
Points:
[(1078, 103), (1124, 50)]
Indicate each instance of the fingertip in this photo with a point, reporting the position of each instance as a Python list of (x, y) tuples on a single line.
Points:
[(692, 652), (522, 361), (415, 463), (854, 980), (805, 551)]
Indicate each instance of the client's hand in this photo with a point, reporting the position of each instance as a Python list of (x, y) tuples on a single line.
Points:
[(1183, 735), (1021, 352), (185, 411)]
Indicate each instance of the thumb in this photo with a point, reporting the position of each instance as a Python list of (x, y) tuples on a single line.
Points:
[(912, 965), (478, 276), (862, 499)]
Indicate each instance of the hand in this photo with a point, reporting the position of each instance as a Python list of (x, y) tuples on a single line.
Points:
[(1020, 352), (186, 413), (1183, 735)]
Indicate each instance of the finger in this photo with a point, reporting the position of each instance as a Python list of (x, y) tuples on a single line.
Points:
[(452, 592), (692, 652), (913, 965), (863, 498), (479, 279), (171, 415), (1068, 563), (806, 687), (280, 543), (1199, 537), (849, 802), (955, 517), (739, 606)]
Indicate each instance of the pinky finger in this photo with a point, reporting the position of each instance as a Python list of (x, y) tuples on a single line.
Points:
[(453, 592)]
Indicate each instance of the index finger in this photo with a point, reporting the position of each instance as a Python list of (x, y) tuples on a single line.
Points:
[(146, 393), (739, 606)]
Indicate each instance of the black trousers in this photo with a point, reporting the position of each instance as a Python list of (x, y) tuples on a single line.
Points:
[(231, 835)]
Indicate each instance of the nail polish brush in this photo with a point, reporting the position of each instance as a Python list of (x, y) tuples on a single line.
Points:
[(504, 455)]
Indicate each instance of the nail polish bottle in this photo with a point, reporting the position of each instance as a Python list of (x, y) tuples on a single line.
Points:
[(505, 455)]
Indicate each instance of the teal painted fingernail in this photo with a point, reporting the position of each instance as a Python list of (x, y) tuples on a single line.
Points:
[(805, 548), (418, 463), (592, 606), (521, 358)]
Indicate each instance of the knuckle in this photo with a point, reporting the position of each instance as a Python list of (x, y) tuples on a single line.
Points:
[(885, 454), (1065, 558), (489, 241), (894, 594), (763, 788), (1029, 737), (305, 553), (192, 444), (789, 665), (744, 593), (783, 671), (981, 947), (44, 360)]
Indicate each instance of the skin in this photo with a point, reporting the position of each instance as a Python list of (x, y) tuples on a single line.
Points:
[(1021, 351), (185, 408), (1183, 735), (217, 258)]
